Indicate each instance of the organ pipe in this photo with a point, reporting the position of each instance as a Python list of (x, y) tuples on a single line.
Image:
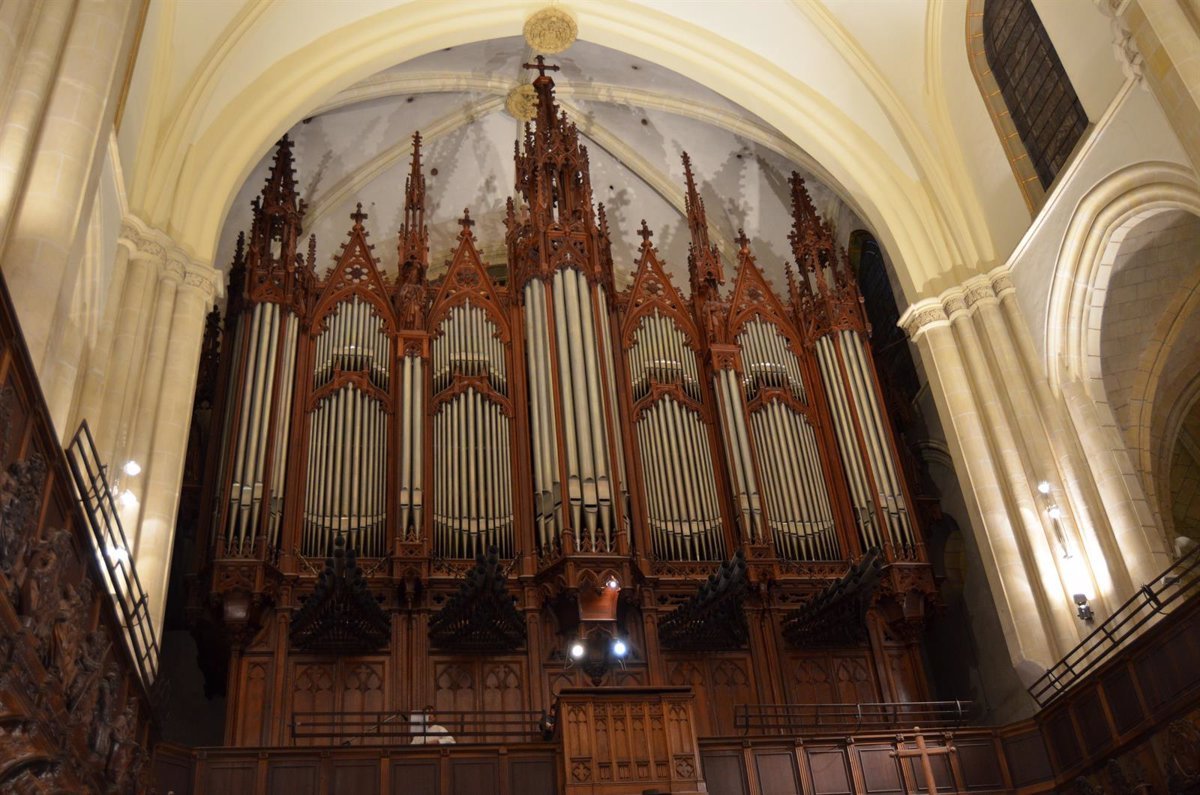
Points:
[(801, 516), (473, 507), (683, 512), (346, 476)]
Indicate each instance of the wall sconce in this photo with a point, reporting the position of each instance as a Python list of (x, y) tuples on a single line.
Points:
[(1083, 609)]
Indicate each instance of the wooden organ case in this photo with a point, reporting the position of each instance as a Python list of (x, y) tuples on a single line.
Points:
[(462, 493)]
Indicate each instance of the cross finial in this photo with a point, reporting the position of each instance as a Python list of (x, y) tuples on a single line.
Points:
[(743, 241), (466, 221), (645, 233), (358, 216), (541, 66)]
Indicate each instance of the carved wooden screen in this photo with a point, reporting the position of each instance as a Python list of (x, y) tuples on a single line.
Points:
[(679, 485), (472, 414), (1043, 103)]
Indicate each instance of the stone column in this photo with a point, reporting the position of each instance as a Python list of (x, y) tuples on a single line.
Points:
[(142, 395), (194, 287), (54, 200), (99, 359), (1019, 596)]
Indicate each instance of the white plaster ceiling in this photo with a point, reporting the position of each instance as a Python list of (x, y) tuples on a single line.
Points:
[(355, 148)]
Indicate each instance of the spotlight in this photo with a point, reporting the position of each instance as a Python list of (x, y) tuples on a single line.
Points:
[(1054, 512), (128, 500), (577, 650), (619, 648), (613, 584), (1044, 487), (132, 468), (1082, 608)]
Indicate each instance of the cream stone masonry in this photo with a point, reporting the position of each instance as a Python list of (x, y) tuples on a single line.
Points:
[(1008, 434), (63, 171), (137, 394)]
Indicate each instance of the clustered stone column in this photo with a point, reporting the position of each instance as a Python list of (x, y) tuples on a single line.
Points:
[(138, 389), (1008, 433)]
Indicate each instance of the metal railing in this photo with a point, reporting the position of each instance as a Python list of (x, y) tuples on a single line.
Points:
[(788, 719), (112, 550), (402, 728), (1150, 602)]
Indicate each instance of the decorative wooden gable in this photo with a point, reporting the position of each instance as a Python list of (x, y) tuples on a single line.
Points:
[(356, 272)]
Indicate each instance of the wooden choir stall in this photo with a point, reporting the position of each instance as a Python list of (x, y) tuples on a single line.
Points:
[(518, 505)]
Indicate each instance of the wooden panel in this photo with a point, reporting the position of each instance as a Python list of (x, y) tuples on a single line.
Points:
[(360, 778), (415, 778), (1027, 759), (943, 778), (1064, 744), (980, 766), (725, 773), (532, 777), (312, 691), (1122, 700), (879, 769), (362, 687), (1092, 721), (173, 775), (830, 774), (474, 777), (776, 773), (252, 703), (824, 678), (221, 779), (291, 777)]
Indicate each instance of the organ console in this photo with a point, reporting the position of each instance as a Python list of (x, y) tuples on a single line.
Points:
[(504, 450)]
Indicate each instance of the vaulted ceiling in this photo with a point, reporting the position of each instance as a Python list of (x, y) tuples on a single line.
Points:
[(636, 118), (875, 100)]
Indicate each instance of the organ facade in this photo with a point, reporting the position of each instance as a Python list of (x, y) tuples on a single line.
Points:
[(475, 493)]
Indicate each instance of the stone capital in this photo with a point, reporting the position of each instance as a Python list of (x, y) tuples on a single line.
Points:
[(149, 243), (922, 316)]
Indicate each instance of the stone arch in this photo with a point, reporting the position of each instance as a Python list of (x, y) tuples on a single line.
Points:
[(189, 198), (1128, 450)]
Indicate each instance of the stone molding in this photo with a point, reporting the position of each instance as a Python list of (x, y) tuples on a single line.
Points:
[(964, 300), (147, 242)]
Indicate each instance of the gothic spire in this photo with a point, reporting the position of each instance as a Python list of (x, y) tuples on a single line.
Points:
[(414, 234), (825, 295), (279, 192), (704, 261)]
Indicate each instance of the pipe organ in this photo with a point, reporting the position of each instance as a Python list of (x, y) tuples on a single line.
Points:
[(604, 449)]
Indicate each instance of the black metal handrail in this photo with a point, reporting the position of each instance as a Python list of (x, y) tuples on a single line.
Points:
[(400, 728), (789, 719), (1150, 602), (112, 549)]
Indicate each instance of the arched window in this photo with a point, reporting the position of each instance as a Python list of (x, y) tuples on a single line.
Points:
[(1036, 110)]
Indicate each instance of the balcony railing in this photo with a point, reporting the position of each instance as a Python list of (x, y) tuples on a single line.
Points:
[(402, 728), (112, 550), (1149, 603), (788, 719)]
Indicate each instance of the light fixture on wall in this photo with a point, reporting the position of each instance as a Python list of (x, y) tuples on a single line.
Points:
[(132, 468), (1083, 609)]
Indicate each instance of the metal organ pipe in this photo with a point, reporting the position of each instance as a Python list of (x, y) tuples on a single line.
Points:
[(852, 459), (793, 481), (681, 498), (248, 467), (346, 478), (472, 453)]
